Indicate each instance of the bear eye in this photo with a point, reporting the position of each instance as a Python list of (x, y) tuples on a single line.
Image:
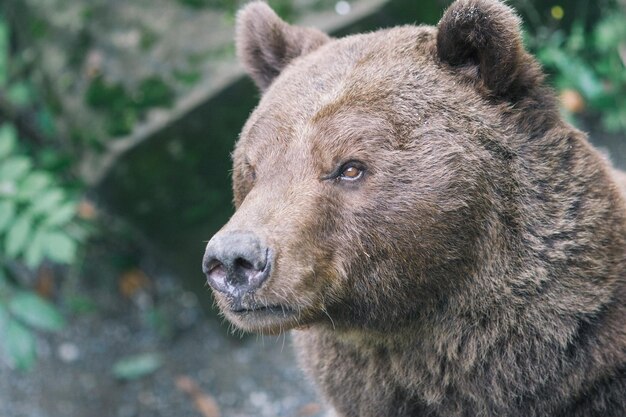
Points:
[(351, 171), (347, 172)]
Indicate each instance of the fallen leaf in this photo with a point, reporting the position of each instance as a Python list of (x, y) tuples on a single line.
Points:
[(203, 402), (133, 281), (45, 285), (138, 366)]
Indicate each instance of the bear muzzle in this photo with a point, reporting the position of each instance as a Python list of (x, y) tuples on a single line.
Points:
[(236, 263)]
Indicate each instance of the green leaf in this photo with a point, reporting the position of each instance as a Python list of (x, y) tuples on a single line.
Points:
[(576, 38), (17, 236), (19, 345), (8, 138), (47, 201), (8, 190), (61, 216), (33, 183), (614, 122), (20, 94), (7, 213), (588, 82), (578, 75), (609, 32), (59, 247), (36, 312), (35, 251), (134, 367), (78, 231), (14, 168)]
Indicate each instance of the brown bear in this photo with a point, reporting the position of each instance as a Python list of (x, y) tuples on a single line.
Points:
[(411, 203)]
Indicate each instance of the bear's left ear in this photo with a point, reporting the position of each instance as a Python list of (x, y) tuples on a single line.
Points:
[(482, 39), (266, 44)]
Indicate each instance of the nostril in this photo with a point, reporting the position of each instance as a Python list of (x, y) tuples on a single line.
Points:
[(244, 264), (216, 270), (236, 262)]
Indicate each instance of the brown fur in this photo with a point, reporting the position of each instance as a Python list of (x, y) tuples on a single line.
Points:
[(477, 268)]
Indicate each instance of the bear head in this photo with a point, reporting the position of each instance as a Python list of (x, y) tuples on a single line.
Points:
[(363, 181)]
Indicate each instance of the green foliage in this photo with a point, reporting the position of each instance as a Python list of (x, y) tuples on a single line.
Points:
[(20, 312), (38, 221), (591, 62), (35, 211), (153, 92), (101, 94), (36, 312), (20, 94), (122, 108), (19, 345)]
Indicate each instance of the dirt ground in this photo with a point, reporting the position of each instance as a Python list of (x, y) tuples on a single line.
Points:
[(205, 372)]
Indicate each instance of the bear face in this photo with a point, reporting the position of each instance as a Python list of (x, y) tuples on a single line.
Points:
[(367, 184)]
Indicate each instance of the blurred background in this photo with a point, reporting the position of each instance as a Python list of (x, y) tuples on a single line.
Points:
[(117, 118)]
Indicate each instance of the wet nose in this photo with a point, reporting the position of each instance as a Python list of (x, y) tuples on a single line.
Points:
[(236, 262)]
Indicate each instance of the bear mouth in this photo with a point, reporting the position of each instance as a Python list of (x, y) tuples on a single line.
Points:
[(274, 310)]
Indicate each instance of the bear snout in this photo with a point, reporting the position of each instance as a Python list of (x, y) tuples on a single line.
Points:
[(236, 263)]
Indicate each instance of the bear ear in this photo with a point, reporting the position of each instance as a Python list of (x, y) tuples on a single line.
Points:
[(266, 44), (482, 39)]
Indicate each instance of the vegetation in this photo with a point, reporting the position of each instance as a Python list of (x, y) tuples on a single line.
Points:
[(39, 223), (121, 108), (587, 63)]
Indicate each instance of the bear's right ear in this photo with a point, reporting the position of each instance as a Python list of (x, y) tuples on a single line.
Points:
[(482, 39), (266, 44)]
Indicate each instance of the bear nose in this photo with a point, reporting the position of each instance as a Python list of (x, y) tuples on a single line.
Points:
[(236, 262)]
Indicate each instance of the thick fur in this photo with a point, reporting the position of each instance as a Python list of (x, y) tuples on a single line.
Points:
[(478, 268)]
